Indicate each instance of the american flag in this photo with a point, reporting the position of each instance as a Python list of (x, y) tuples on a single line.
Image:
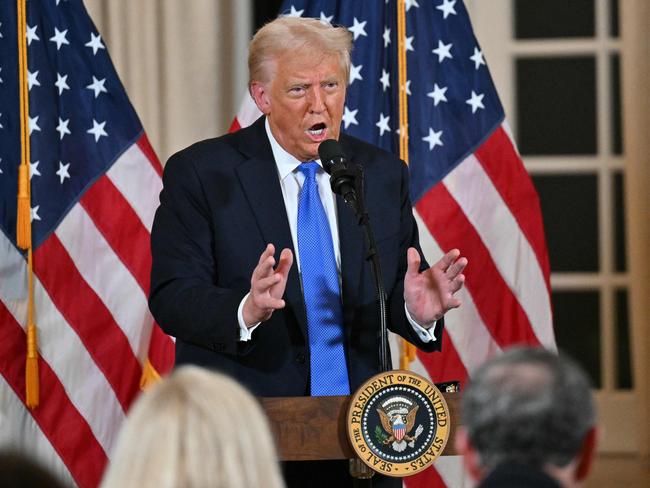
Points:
[(468, 184), (95, 182)]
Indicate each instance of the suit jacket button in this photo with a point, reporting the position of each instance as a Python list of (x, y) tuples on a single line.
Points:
[(300, 358), (219, 346)]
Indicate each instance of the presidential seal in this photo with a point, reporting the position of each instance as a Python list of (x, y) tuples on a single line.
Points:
[(398, 423)]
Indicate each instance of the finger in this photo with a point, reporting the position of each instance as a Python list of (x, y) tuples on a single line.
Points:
[(456, 268), (264, 284), (457, 283), (268, 251), (454, 303), (264, 268), (269, 303), (413, 261), (286, 260), (448, 259)]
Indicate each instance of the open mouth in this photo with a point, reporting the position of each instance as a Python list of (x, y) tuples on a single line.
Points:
[(317, 129)]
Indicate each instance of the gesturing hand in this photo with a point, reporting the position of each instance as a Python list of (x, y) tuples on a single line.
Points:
[(430, 294), (267, 286)]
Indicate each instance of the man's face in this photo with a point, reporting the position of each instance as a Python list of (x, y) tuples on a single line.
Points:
[(303, 101)]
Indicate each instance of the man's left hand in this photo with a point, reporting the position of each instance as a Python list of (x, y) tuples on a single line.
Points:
[(430, 294)]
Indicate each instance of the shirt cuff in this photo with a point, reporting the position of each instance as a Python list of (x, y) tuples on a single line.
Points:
[(425, 335), (245, 332)]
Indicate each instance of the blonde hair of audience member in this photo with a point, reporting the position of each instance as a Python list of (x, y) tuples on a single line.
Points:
[(286, 34), (195, 429)]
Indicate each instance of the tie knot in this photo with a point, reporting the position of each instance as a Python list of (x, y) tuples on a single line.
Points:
[(309, 169)]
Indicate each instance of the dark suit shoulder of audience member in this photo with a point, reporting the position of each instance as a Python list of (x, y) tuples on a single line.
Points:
[(515, 475)]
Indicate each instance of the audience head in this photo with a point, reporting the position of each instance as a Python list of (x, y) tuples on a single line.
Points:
[(194, 429), (19, 471), (529, 406)]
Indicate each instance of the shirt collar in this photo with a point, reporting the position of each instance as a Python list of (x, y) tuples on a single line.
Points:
[(285, 162)]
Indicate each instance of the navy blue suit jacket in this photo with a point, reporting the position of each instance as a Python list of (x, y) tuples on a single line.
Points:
[(220, 206)]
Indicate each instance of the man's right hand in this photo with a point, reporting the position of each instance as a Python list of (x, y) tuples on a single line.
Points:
[(267, 286)]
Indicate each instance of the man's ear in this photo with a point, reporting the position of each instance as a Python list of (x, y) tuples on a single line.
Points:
[(587, 454), (471, 460), (261, 96)]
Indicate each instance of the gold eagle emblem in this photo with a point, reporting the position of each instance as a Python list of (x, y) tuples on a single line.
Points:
[(392, 422)]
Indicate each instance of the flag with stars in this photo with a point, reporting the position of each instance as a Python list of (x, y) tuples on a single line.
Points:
[(469, 188), (94, 189)]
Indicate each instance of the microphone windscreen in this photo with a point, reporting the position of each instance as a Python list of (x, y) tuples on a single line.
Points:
[(330, 151)]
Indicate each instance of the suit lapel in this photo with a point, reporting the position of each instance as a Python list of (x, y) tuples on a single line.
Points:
[(259, 180)]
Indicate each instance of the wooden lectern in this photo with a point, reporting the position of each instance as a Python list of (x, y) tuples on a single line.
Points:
[(314, 428)]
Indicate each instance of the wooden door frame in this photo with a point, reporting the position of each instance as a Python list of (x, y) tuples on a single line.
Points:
[(635, 74)]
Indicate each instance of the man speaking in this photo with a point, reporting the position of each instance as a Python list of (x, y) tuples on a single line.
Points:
[(259, 270)]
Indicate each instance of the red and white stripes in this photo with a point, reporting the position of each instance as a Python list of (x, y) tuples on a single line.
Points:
[(487, 207), (94, 326)]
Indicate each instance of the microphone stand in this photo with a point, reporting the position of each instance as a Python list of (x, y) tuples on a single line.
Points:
[(356, 199)]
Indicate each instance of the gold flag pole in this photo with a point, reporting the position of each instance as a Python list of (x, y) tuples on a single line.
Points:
[(23, 217), (403, 100), (407, 350)]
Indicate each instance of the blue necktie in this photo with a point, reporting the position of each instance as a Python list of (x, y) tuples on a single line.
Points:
[(320, 283)]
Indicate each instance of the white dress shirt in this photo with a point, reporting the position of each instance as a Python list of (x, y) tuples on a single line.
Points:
[(291, 180)]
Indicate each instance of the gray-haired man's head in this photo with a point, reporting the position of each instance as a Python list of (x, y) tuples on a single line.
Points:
[(529, 406)]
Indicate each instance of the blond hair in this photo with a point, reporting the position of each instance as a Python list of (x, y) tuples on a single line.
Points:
[(286, 34), (195, 429)]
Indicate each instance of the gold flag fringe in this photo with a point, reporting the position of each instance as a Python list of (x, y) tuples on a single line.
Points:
[(23, 217)]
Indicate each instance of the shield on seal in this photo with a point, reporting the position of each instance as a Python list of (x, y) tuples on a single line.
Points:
[(399, 429)]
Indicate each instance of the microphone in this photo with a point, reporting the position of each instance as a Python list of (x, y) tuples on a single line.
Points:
[(342, 180)]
